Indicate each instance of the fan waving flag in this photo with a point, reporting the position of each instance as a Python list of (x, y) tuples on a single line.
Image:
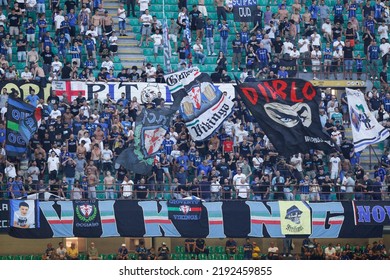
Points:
[(365, 128), (22, 122), (288, 112)]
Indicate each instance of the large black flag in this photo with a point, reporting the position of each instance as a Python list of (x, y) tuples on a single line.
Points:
[(244, 10), (288, 112)]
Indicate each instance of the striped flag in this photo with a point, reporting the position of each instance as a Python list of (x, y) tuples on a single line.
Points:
[(167, 48)]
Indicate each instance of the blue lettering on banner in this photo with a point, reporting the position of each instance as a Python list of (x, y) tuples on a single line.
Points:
[(324, 225), (367, 214), (261, 216), (215, 218), (155, 220), (106, 209), (61, 226)]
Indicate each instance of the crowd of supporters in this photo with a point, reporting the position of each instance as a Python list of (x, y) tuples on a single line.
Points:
[(355, 40), (73, 154)]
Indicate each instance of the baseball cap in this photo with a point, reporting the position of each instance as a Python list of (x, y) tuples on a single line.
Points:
[(123, 245)]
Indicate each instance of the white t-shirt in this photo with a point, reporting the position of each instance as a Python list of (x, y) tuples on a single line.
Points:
[(3, 19), (385, 48), (107, 155), (327, 28), (23, 221), (215, 187), (87, 143), (240, 134), (198, 47), (297, 163), (334, 163), (338, 45), (146, 19), (122, 14), (55, 113), (56, 66), (305, 45), (143, 5), (287, 47), (58, 20), (330, 252), (237, 178), (383, 31), (295, 54), (127, 188), (242, 190), (108, 64), (338, 54), (157, 38), (315, 57), (228, 126), (316, 39), (53, 163), (151, 71)]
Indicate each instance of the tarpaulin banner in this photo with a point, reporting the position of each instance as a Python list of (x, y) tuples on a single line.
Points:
[(24, 214), (372, 213), (244, 10), (366, 130), (205, 107), (87, 218), (184, 209), (4, 216), (288, 112), (22, 123), (21, 88), (222, 219), (291, 66), (295, 218)]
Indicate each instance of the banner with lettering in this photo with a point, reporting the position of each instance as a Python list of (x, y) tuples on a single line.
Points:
[(244, 10), (4, 216), (288, 112), (372, 213), (204, 107), (87, 218), (22, 122), (238, 219), (184, 209), (291, 66), (22, 89)]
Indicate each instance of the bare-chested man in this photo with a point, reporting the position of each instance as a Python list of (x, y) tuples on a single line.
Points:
[(109, 185), (92, 183)]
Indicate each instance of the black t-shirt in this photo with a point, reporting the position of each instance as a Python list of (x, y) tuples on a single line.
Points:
[(367, 11), (326, 186), (336, 31), (65, 72), (70, 4), (194, 16), (121, 174), (278, 46), (23, 47), (72, 146), (200, 243), (346, 149), (47, 57), (53, 99), (13, 20), (141, 191), (383, 76), (182, 52), (320, 178), (348, 52), (134, 76), (226, 191), (159, 173)]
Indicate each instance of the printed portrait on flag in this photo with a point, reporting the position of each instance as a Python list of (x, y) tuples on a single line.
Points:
[(365, 128), (22, 213)]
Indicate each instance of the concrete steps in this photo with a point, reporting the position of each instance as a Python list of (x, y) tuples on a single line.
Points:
[(128, 51)]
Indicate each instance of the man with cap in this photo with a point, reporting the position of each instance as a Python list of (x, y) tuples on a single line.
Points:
[(163, 252), (123, 253)]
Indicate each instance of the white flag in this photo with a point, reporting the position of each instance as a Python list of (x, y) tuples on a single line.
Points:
[(365, 128)]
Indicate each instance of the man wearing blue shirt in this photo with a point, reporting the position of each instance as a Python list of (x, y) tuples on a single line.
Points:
[(223, 29), (209, 35), (263, 56), (373, 57), (32, 98)]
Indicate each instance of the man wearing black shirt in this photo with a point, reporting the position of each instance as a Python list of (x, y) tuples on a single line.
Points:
[(258, 18), (194, 15), (123, 76), (21, 43), (102, 76), (346, 148), (337, 31), (65, 71), (182, 52), (141, 190), (367, 38), (326, 188), (47, 57), (348, 59), (383, 77), (70, 4), (13, 23), (253, 42), (53, 99), (278, 47), (134, 75)]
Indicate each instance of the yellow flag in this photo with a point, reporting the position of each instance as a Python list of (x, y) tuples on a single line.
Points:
[(295, 218)]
